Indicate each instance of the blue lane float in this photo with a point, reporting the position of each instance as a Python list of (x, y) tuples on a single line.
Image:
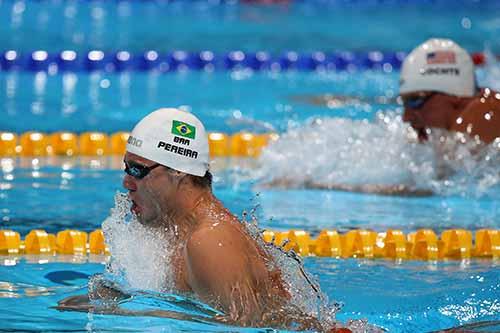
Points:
[(312, 2), (151, 60), (98, 60)]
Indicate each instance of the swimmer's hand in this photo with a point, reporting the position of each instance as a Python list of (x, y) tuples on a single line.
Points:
[(106, 293), (79, 303), (108, 299), (101, 292)]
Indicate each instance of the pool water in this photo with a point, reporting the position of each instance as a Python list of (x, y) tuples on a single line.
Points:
[(300, 25), (80, 197), (357, 138), (224, 101), (436, 296)]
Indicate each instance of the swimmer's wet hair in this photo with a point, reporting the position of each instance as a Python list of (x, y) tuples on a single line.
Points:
[(203, 182)]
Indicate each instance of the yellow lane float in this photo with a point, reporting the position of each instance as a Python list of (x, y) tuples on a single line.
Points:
[(38, 144), (423, 244)]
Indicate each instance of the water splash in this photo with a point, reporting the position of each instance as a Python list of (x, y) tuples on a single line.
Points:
[(141, 263), (489, 74), (141, 255), (340, 153), (304, 290), (465, 166)]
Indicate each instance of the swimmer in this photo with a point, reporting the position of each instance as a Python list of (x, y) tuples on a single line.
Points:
[(215, 257), (438, 90)]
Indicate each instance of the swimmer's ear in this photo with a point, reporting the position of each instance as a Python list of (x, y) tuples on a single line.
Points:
[(179, 176), (179, 173)]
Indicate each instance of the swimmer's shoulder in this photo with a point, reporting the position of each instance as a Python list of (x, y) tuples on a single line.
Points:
[(214, 234), (222, 242), (481, 116), (215, 258), (487, 99)]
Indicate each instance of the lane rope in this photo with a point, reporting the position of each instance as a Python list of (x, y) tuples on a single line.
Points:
[(39, 144), (423, 244), (151, 60)]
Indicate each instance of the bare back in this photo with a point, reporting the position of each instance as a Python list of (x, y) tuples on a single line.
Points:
[(481, 117), (226, 268)]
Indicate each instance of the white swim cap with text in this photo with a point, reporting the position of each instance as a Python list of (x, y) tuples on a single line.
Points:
[(174, 138), (438, 65)]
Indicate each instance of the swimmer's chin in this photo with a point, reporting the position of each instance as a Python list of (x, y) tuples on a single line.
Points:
[(135, 209), (137, 213), (422, 135), (154, 222)]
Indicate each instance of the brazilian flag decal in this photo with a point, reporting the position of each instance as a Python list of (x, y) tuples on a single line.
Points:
[(182, 129)]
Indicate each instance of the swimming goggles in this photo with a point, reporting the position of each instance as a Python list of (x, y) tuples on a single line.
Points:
[(417, 101), (138, 171)]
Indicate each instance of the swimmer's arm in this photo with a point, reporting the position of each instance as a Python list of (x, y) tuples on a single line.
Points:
[(399, 189), (99, 309), (169, 314), (482, 118), (335, 101), (217, 273), (219, 276), (83, 302), (157, 313)]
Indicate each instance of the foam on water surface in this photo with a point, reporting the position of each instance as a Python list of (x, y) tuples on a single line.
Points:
[(140, 255), (489, 75), (344, 153)]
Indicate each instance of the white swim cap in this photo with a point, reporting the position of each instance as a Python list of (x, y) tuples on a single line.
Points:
[(438, 65), (174, 138)]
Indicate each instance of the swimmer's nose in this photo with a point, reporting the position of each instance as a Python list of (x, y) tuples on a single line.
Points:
[(413, 117), (129, 183)]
